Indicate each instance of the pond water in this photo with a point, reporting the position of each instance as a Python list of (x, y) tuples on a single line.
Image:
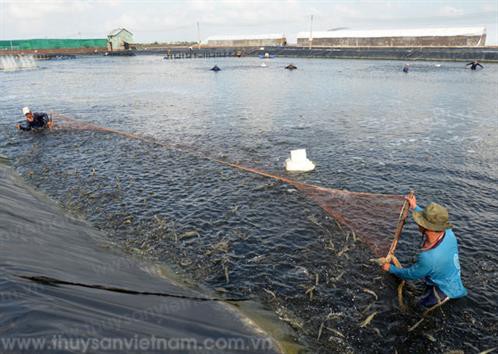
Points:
[(368, 126)]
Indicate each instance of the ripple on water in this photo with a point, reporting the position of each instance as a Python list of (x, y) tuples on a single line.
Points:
[(249, 235)]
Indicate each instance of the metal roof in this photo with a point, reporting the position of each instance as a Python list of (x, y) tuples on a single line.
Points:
[(116, 31), (247, 37), (419, 32)]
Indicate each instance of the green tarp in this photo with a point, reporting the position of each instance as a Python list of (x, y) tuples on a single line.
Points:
[(30, 44)]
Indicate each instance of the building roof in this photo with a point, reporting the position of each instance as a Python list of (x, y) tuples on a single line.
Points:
[(246, 37), (117, 31), (419, 32)]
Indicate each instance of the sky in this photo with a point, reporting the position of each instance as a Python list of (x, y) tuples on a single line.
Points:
[(175, 20)]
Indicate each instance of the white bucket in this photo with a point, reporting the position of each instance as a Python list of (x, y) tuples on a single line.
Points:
[(299, 162)]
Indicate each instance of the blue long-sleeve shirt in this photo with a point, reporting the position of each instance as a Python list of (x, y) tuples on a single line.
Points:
[(439, 266)]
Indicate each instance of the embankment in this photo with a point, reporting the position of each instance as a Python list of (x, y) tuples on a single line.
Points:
[(63, 284), (483, 54)]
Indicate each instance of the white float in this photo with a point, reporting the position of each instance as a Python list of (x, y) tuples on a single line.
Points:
[(299, 162)]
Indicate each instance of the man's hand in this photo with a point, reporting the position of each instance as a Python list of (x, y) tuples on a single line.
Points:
[(385, 267), (412, 200), (18, 126)]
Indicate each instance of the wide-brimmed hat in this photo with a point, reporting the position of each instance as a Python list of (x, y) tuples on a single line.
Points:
[(434, 217)]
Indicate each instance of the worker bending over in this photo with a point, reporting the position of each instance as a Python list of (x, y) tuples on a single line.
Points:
[(438, 262), (34, 120)]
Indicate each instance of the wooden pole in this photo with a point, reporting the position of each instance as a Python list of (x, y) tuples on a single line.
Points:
[(311, 32), (198, 36)]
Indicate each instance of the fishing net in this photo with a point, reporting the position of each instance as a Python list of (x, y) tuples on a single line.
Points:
[(372, 217), (376, 219)]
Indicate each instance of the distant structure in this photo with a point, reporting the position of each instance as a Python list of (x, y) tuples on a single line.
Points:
[(425, 37), (119, 39), (44, 45), (260, 40)]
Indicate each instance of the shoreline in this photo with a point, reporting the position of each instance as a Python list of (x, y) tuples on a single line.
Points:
[(482, 54), (50, 257)]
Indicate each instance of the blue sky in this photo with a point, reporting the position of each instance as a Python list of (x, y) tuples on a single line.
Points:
[(163, 20)]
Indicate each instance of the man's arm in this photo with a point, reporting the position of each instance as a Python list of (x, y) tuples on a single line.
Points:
[(480, 65), (23, 126), (419, 270)]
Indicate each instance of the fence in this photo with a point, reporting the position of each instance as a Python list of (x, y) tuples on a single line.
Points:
[(44, 44)]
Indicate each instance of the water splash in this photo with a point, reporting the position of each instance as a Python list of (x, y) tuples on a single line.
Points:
[(17, 62)]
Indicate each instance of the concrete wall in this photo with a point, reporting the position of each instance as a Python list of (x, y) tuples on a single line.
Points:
[(484, 54), (247, 42), (435, 41), (464, 54)]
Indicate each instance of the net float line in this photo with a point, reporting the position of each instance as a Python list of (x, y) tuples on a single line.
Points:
[(148, 139), (357, 211)]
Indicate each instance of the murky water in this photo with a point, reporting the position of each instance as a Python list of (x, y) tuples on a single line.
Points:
[(65, 288), (368, 127)]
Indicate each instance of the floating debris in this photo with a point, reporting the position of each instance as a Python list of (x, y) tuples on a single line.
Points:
[(310, 291), (343, 251), (379, 261), (334, 315), (367, 320), (300, 271), (160, 221), (256, 259), (287, 316), (371, 292), (173, 229), (225, 270), (337, 278), (330, 246), (336, 332), (366, 309), (189, 234), (338, 225), (312, 219), (330, 316), (185, 262), (270, 292), (430, 337), (320, 329), (376, 330)]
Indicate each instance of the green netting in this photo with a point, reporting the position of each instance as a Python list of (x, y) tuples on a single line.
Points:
[(30, 44)]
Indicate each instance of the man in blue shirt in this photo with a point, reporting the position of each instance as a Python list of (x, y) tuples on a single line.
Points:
[(438, 262)]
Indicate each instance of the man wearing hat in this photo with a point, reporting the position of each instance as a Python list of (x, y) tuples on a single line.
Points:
[(438, 262), (34, 120)]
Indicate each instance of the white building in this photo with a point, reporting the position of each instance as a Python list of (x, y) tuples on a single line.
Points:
[(119, 39), (259, 40), (419, 37)]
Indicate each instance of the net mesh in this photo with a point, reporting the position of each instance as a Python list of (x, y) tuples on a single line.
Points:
[(376, 219), (373, 217)]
